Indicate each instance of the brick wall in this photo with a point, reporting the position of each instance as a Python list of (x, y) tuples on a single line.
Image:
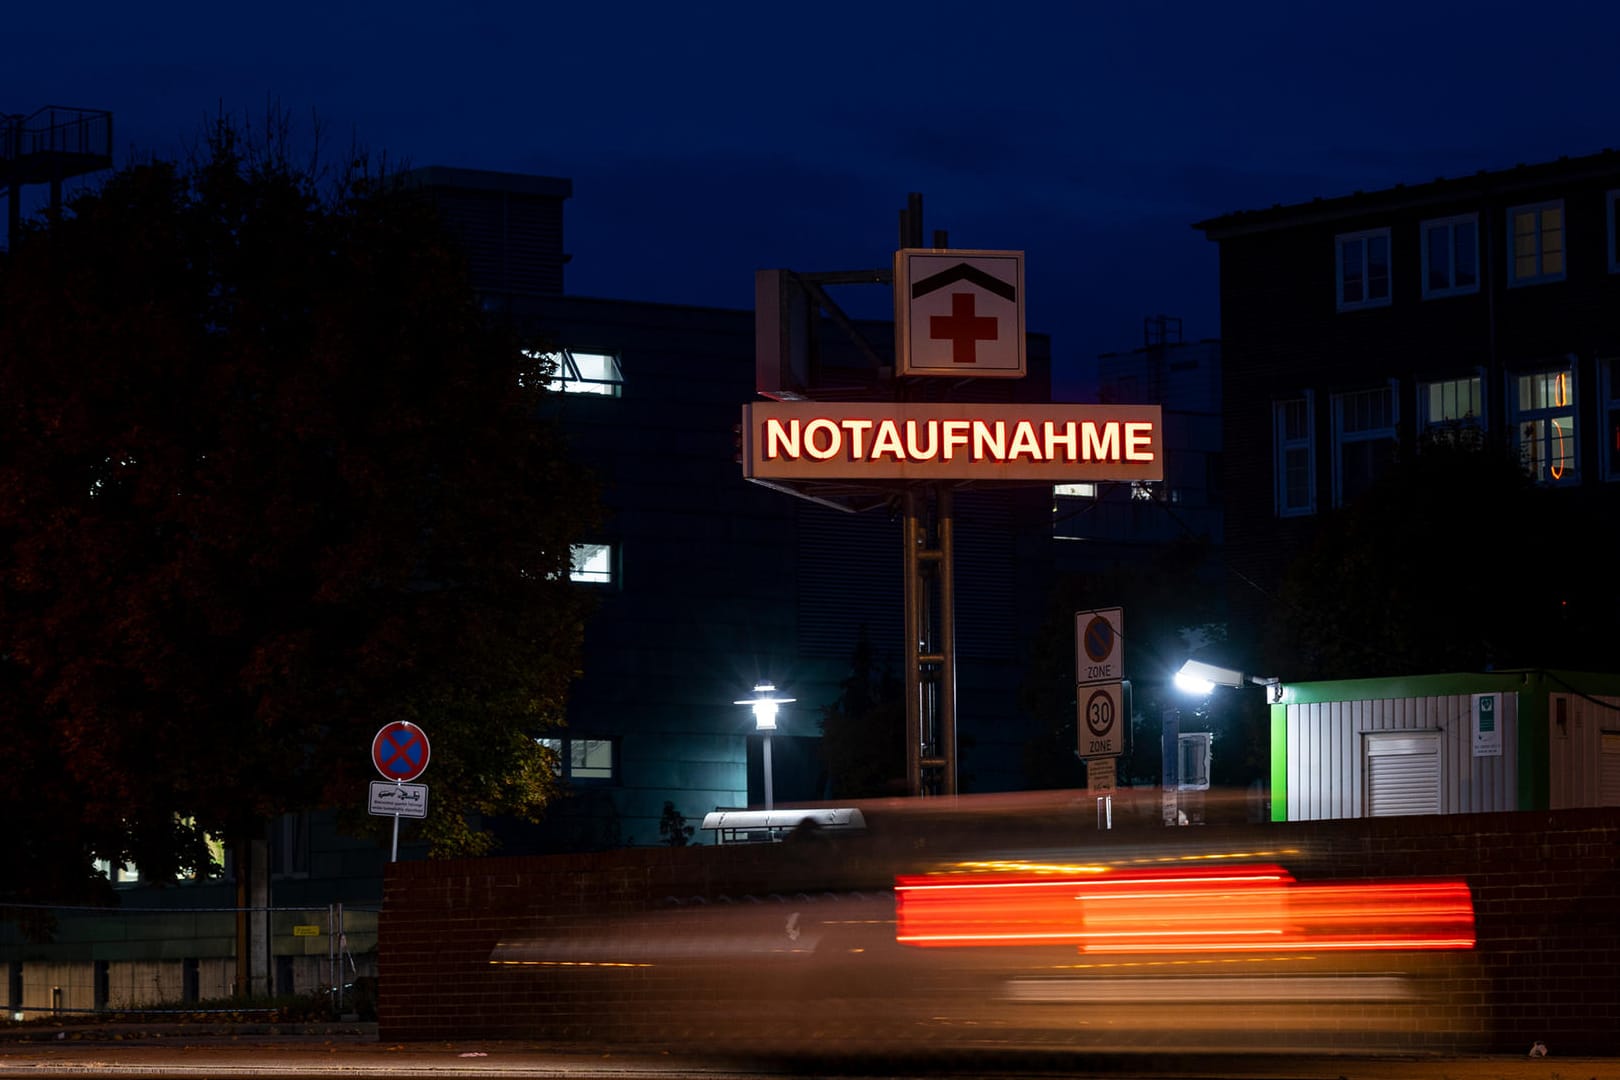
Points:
[(1546, 896)]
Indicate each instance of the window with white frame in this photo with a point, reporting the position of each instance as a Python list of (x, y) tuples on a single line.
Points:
[(1536, 234), (584, 759), (1451, 256), (1362, 272), (1448, 409), (592, 564), (1544, 424), (1609, 373), (578, 372), (1363, 440), (1613, 200), (1294, 443)]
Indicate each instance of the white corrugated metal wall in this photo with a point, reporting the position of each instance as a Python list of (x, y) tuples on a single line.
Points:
[(1583, 760), (1327, 754)]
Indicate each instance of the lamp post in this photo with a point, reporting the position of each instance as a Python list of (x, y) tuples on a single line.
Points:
[(1199, 679), (764, 704)]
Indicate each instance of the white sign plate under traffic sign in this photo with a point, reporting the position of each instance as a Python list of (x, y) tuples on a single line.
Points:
[(399, 800)]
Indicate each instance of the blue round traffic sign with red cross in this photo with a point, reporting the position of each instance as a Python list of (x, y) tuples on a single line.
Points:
[(400, 751), (1099, 638)]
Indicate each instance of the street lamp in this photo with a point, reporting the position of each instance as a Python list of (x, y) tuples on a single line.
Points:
[(1201, 679), (764, 703)]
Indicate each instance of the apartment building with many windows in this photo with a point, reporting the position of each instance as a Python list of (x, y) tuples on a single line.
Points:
[(1352, 327)]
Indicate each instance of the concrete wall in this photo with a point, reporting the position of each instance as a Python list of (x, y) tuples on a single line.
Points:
[(1545, 886)]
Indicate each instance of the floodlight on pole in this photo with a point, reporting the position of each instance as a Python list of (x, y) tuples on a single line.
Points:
[(1200, 679), (764, 704)]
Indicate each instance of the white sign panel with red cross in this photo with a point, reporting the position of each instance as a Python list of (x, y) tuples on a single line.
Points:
[(959, 314)]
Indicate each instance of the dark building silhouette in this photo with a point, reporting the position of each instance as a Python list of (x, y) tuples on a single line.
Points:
[(1354, 326), (1126, 522), (707, 583)]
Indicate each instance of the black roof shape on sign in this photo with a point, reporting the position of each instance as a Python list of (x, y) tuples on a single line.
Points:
[(964, 272)]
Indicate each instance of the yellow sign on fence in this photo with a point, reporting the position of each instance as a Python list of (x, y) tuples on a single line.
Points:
[(306, 931)]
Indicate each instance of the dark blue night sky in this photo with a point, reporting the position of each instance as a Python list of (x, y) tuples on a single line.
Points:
[(708, 140)]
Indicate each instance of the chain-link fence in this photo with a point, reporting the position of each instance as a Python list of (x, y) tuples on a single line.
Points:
[(90, 959)]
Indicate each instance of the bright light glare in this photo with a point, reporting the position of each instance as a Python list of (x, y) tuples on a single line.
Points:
[(1192, 684), (765, 703), (765, 714)]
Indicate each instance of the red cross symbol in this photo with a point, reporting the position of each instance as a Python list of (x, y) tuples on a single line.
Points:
[(962, 329)]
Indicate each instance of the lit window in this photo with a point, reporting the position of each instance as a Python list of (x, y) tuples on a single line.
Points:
[(1076, 491), (1363, 440), (1448, 408), (1537, 235), (1544, 425), (584, 372), (1613, 200), (1295, 447), (556, 748), (1609, 372), (118, 874), (590, 759), (591, 563), (1451, 256), (583, 759), (1363, 269)]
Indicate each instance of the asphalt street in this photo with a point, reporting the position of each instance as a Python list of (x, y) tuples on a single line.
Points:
[(355, 1051)]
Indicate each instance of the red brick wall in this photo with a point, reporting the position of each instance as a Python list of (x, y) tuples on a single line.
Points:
[(1545, 886)]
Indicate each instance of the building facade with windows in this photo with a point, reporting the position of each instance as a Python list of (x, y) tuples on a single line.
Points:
[(1125, 522), (705, 584), (1354, 327)]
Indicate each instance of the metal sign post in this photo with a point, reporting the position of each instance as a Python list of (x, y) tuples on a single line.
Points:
[(1100, 702), (400, 751)]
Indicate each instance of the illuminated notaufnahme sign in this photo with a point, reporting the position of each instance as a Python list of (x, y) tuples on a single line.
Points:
[(818, 440)]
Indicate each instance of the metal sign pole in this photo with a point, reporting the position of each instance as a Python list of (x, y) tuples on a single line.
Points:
[(393, 852)]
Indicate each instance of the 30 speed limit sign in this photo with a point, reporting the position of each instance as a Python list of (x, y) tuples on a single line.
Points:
[(1100, 709)]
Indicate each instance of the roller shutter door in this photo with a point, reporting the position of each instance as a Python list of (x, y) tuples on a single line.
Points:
[(1403, 774)]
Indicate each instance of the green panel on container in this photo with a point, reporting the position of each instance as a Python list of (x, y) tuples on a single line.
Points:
[(1279, 763)]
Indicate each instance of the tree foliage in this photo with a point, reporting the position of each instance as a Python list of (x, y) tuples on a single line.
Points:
[(268, 480), (863, 732), (1172, 606), (1454, 561)]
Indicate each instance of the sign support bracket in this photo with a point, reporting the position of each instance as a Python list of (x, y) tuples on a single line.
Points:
[(930, 626)]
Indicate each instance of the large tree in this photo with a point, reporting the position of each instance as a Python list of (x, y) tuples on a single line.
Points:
[(268, 480), (1172, 605), (1454, 561)]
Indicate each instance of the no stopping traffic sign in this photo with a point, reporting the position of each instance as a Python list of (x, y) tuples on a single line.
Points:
[(400, 751)]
